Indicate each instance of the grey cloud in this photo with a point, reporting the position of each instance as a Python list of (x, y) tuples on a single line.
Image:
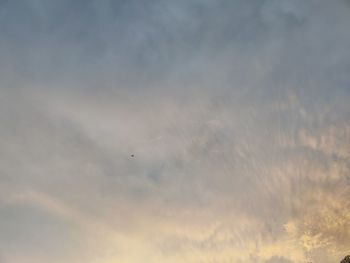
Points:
[(236, 112), (108, 37), (278, 260)]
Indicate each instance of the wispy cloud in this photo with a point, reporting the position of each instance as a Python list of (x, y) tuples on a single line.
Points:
[(236, 114)]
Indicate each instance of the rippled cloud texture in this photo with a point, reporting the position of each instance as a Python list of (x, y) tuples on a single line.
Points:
[(236, 113)]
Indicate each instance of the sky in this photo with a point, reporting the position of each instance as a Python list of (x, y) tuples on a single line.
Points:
[(163, 131)]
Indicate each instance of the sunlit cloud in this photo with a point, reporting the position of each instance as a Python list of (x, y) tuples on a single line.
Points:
[(174, 131)]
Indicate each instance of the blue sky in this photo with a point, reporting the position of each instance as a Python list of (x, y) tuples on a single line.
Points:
[(237, 114)]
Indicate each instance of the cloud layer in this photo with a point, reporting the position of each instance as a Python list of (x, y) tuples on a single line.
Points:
[(236, 113)]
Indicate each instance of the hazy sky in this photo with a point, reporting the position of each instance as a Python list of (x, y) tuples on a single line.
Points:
[(236, 112)]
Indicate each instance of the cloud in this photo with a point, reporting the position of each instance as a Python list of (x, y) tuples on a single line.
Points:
[(278, 260), (236, 113)]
